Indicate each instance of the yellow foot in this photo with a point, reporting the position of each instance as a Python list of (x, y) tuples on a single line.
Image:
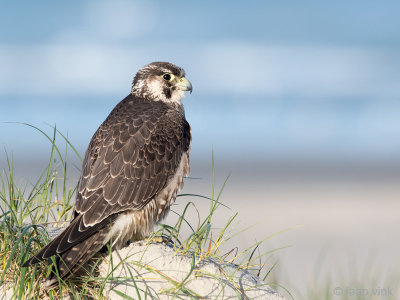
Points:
[(156, 239)]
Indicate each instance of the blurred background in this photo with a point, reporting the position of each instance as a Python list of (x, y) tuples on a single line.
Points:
[(300, 102)]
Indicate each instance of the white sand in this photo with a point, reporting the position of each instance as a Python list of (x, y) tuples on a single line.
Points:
[(157, 268)]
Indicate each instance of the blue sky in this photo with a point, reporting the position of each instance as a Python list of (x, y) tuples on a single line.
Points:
[(272, 79)]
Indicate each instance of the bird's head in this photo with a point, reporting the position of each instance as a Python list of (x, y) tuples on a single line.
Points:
[(161, 81)]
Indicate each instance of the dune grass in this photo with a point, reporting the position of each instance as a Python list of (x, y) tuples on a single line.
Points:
[(26, 213)]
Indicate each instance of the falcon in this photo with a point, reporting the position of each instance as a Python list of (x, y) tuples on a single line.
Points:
[(132, 171)]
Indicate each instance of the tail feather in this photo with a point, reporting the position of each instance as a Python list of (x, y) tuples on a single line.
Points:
[(74, 247), (70, 237), (76, 257)]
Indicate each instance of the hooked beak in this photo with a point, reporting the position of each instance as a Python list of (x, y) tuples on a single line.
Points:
[(184, 85)]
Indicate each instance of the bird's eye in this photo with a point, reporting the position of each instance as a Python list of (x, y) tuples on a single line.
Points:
[(167, 77)]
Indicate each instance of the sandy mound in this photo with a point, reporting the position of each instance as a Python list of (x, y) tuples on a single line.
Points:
[(157, 270)]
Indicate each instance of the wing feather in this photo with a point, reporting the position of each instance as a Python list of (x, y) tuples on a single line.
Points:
[(97, 180), (94, 197), (110, 189), (132, 156), (117, 165)]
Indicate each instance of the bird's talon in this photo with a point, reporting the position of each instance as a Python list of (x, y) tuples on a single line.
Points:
[(157, 239)]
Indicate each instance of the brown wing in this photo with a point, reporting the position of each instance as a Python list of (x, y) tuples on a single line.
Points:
[(130, 158)]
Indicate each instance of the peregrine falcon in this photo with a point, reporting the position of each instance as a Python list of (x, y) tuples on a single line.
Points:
[(133, 168)]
